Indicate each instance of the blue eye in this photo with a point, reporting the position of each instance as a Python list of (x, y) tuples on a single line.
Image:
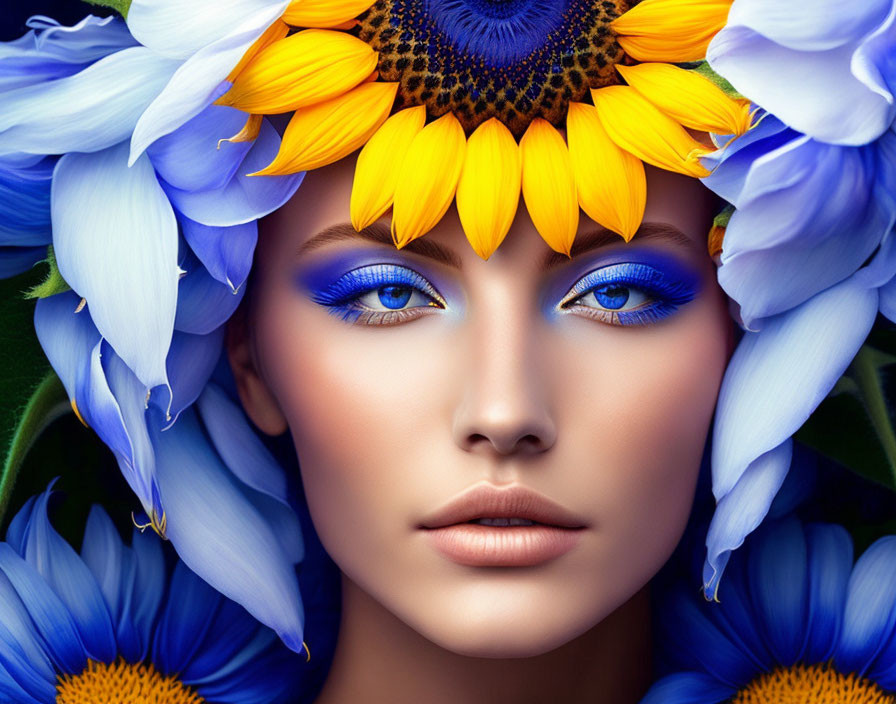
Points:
[(379, 294), (631, 293)]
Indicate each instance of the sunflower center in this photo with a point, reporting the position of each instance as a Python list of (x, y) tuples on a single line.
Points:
[(819, 684), (515, 60), (123, 683)]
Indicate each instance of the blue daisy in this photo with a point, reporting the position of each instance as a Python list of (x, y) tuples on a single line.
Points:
[(115, 625), (797, 622)]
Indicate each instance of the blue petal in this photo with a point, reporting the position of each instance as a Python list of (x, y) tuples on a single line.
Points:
[(830, 564), (869, 619), (888, 301), (873, 62), (53, 51), (13, 691), (203, 303), (688, 688), (220, 535), (15, 260), (18, 526), (104, 211), (49, 615), (72, 581), (191, 361), (225, 251), (185, 620), (218, 47), (244, 198), (25, 203), (149, 587), (231, 632), (190, 159), (268, 679), (87, 112), (776, 255), (780, 589), (17, 633)]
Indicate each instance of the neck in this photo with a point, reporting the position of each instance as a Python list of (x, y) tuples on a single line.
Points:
[(381, 659)]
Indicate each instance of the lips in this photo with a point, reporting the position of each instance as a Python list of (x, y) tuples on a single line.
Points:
[(514, 527)]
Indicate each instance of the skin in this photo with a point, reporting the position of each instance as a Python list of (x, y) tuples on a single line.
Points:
[(391, 422)]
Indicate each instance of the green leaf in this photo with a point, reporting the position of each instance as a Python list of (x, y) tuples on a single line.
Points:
[(53, 283), (723, 218), (704, 70), (855, 425), (120, 6)]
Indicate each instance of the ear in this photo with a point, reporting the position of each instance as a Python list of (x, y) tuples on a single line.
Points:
[(259, 403)]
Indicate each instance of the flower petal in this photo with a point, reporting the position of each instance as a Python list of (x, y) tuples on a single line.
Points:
[(15, 260), (86, 112), (303, 69), (611, 183), (244, 198), (323, 13), (689, 98), (191, 361), (104, 211), (428, 179), (25, 203), (670, 30), (688, 688), (488, 191), (637, 126), (379, 164), (830, 564), (549, 186), (226, 252), (327, 131), (204, 304)]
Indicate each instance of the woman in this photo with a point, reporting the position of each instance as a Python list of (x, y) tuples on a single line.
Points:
[(446, 385)]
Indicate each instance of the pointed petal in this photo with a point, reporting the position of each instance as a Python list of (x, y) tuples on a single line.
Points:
[(325, 132), (641, 129), (103, 553), (277, 31), (191, 159), (191, 361), (104, 211), (689, 98), (488, 191), (830, 564), (611, 183), (670, 30), (204, 304), (549, 187), (243, 198), (23, 656), (87, 112), (149, 586), (379, 164), (303, 69), (428, 179), (225, 251), (220, 535), (323, 13), (177, 30)]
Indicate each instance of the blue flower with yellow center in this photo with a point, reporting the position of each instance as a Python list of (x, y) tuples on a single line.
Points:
[(114, 625), (797, 622)]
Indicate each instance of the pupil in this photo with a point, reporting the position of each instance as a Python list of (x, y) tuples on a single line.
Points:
[(612, 297), (394, 297)]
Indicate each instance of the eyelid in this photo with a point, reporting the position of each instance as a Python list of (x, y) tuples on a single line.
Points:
[(369, 277), (638, 274)]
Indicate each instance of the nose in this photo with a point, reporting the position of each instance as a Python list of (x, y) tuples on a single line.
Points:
[(503, 404)]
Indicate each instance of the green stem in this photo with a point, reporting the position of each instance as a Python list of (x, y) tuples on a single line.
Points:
[(875, 403), (48, 402)]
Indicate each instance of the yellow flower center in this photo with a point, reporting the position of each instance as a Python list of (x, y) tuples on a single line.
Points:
[(123, 683), (819, 684)]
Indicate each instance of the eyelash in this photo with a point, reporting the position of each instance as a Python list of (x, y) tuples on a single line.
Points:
[(343, 296), (665, 294)]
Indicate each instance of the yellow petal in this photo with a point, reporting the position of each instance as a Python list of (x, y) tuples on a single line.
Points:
[(305, 68), (639, 127), (272, 34), (323, 13), (670, 30), (549, 186), (248, 133), (688, 97), (611, 183), (488, 192), (428, 179), (379, 164), (715, 239), (326, 132)]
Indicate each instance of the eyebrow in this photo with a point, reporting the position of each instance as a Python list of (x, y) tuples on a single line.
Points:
[(602, 237), (380, 233)]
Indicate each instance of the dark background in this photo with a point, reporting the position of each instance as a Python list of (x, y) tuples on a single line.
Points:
[(13, 14)]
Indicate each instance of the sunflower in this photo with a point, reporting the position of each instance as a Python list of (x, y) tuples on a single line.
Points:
[(479, 101)]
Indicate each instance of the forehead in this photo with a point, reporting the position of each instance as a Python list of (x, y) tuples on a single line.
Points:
[(678, 207)]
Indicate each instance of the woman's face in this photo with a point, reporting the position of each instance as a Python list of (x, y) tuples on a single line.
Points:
[(425, 388)]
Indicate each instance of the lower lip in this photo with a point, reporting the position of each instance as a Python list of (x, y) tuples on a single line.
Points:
[(476, 545)]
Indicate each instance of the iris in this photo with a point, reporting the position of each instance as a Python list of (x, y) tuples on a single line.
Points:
[(610, 296), (394, 296), (113, 624), (798, 621)]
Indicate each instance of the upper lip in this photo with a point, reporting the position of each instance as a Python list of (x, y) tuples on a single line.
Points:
[(487, 501)]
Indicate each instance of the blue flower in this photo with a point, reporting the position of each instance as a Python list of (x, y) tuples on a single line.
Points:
[(824, 67), (797, 622), (113, 624)]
